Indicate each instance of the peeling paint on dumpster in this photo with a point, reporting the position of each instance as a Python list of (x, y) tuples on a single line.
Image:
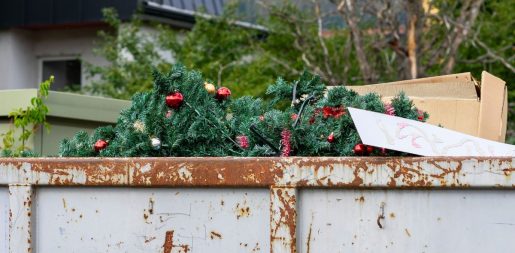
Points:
[(414, 221), (4, 219), (263, 172), (227, 204), (150, 220)]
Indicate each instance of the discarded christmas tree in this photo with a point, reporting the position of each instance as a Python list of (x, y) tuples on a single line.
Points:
[(185, 116)]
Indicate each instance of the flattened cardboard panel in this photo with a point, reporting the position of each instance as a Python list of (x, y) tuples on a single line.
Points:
[(460, 77), (465, 90), (504, 120), (415, 137), (493, 95), (455, 114)]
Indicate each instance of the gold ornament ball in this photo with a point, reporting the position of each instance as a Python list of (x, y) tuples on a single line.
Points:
[(139, 126), (210, 88)]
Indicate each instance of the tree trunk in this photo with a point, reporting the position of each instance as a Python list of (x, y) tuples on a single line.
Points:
[(467, 17), (346, 8), (412, 47)]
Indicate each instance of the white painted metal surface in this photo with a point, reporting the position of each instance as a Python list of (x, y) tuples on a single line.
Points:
[(20, 218), (84, 220), (272, 205), (411, 221), (283, 217), (4, 219)]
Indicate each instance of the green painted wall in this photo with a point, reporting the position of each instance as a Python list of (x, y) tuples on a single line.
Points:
[(68, 113)]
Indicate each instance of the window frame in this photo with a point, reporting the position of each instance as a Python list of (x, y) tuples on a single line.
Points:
[(42, 59)]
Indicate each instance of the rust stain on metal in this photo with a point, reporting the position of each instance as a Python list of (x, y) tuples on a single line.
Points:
[(242, 210), (361, 199), (508, 172), (215, 235), (168, 245), (168, 242), (407, 232), (184, 248), (203, 172), (256, 248), (286, 220), (308, 243), (342, 172), (149, 239), (151, 205)]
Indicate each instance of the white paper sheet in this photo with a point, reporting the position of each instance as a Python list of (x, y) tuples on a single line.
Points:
[(396, 133)]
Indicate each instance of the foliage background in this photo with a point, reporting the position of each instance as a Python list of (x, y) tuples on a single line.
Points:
[(248, 60)]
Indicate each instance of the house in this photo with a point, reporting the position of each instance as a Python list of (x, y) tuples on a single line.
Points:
[(44, 37)]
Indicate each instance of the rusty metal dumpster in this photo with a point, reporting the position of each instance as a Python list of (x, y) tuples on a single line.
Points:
[(371, 204)]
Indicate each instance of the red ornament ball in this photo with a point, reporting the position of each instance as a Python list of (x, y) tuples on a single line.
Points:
[(370, 149), (223, 93), (360, 149), (174, 99), (330, 138), (383, 151), (100, 144)]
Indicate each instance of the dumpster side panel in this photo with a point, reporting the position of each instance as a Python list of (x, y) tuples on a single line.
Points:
[(4, 219), (152, 220), (406, 221), (280, 205)]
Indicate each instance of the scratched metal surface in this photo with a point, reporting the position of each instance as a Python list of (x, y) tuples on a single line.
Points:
[(414, 221), (278, 205), (4, 219), (333, 172), (152, 220)]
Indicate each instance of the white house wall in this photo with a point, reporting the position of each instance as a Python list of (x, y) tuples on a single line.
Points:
[(67, 44), (22, 52), (17, 61)]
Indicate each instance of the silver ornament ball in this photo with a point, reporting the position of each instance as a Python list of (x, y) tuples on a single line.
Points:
[(156, 143)]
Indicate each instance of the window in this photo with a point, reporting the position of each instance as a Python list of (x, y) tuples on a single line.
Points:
[(67, 73)]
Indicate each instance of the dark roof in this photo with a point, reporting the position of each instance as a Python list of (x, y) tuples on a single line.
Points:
[(211, 7), (48, 13), (51, 13), (183, 12)]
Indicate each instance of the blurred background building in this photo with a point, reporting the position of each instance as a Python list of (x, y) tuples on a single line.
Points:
[(40, 38)]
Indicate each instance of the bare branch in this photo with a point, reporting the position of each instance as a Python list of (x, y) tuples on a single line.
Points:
[(346, 9), (221, 69), (493, 55), (412, 47), (282, 63), (322, 42), (467, 17)]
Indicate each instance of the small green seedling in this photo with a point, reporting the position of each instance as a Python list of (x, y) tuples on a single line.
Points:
[(27, 121)]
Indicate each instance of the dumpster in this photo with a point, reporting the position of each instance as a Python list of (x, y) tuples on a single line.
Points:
[(225, 204)]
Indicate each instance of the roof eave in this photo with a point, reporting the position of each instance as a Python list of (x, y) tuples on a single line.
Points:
[(188, 16)]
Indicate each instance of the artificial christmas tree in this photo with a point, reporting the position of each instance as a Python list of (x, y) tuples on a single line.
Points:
[(183, 116)]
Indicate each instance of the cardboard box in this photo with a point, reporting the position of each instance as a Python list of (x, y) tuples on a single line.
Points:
[(456, 102)]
